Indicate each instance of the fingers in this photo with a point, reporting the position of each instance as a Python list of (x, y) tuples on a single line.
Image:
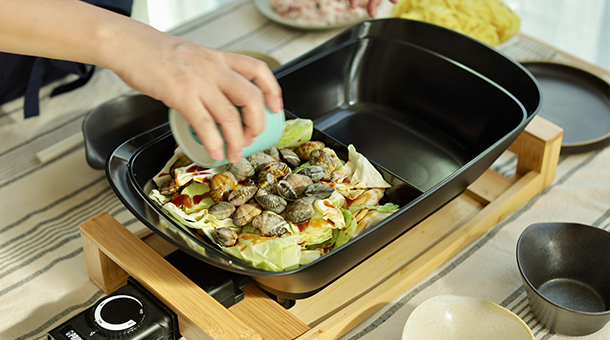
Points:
[(372, 7), (249, 98), (205, 126), (233, 90), (258, 72), (230, 122)]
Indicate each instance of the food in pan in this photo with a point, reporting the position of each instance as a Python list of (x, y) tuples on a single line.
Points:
[(280, 208), (318, 12), (489, 21)]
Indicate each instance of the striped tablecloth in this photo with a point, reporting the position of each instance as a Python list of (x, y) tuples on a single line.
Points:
[(43, 278)]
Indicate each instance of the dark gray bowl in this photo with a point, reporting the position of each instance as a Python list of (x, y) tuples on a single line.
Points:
[(566, 273)]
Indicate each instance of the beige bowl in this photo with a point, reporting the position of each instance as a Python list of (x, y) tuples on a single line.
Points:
[(464, 318)]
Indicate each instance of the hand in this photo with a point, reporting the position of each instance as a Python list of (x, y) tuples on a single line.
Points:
[(205, 85), (371, 7)]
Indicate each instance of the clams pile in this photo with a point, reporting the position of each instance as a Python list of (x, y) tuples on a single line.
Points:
[(277, 209), (263, 190), (268, 189)]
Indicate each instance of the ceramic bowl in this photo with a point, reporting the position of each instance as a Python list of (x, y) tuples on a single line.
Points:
[(566, 273), (463, 318)]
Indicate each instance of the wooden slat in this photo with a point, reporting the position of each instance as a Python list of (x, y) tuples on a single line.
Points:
[(103, 272), (538, 148), (200, 316), (266, 316), (488, 187)]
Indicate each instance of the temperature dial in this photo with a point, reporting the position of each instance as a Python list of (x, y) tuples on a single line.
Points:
[(118, 315)]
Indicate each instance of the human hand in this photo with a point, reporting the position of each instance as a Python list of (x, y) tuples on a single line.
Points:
[(205, 86), (371, 7)]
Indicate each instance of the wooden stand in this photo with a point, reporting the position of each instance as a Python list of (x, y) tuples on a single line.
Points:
[(113, 253)]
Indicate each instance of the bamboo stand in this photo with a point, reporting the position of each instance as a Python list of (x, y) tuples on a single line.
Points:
[(113, 253)]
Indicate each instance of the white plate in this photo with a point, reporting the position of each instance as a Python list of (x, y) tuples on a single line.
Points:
[(464, 318), (265, 9)]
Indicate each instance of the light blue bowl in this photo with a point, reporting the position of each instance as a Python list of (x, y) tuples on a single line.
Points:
[(192, 147)]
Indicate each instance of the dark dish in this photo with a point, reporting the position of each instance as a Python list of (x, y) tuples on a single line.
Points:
[(577, 101), (431, 108), (566, 273)]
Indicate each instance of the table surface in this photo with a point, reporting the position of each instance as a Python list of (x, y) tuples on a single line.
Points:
[(43, 278)]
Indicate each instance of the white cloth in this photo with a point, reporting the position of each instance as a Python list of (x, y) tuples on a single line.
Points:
[(43, 278)]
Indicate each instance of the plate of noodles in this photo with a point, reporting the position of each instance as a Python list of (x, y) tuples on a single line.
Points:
[(489, 21), (311, 14)]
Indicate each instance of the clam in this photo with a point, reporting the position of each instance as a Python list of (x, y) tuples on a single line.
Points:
[(285, 190), (300, 210), (226, 237), (259, 160), (244, 214), (277, 169), (169, 187), (180, 162), (221, 184), (298, 182), (261, 192), (270, 224), (242, 195), (321, 158), (306, 148), (272, 203), (266, 180), (273, 152), (242, 170), (315, 172), (318, 190), (222, 210), (290, 158)]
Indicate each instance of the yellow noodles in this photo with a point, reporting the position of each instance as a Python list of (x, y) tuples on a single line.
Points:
[(487, 20)]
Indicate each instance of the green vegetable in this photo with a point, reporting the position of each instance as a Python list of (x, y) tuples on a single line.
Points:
[(346, 234), (388, 207), (319, 230), (196, 189), (273, 254), (364, 173), (296, 132)]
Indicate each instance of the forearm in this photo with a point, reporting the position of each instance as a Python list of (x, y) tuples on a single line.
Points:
[(65, 29)]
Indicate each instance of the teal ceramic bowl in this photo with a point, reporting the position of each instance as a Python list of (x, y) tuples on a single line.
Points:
[(193, 148)]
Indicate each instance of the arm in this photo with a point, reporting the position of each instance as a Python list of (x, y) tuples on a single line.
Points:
[(202, 83)]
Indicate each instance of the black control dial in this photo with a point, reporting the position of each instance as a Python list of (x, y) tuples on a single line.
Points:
[(118, 315)]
